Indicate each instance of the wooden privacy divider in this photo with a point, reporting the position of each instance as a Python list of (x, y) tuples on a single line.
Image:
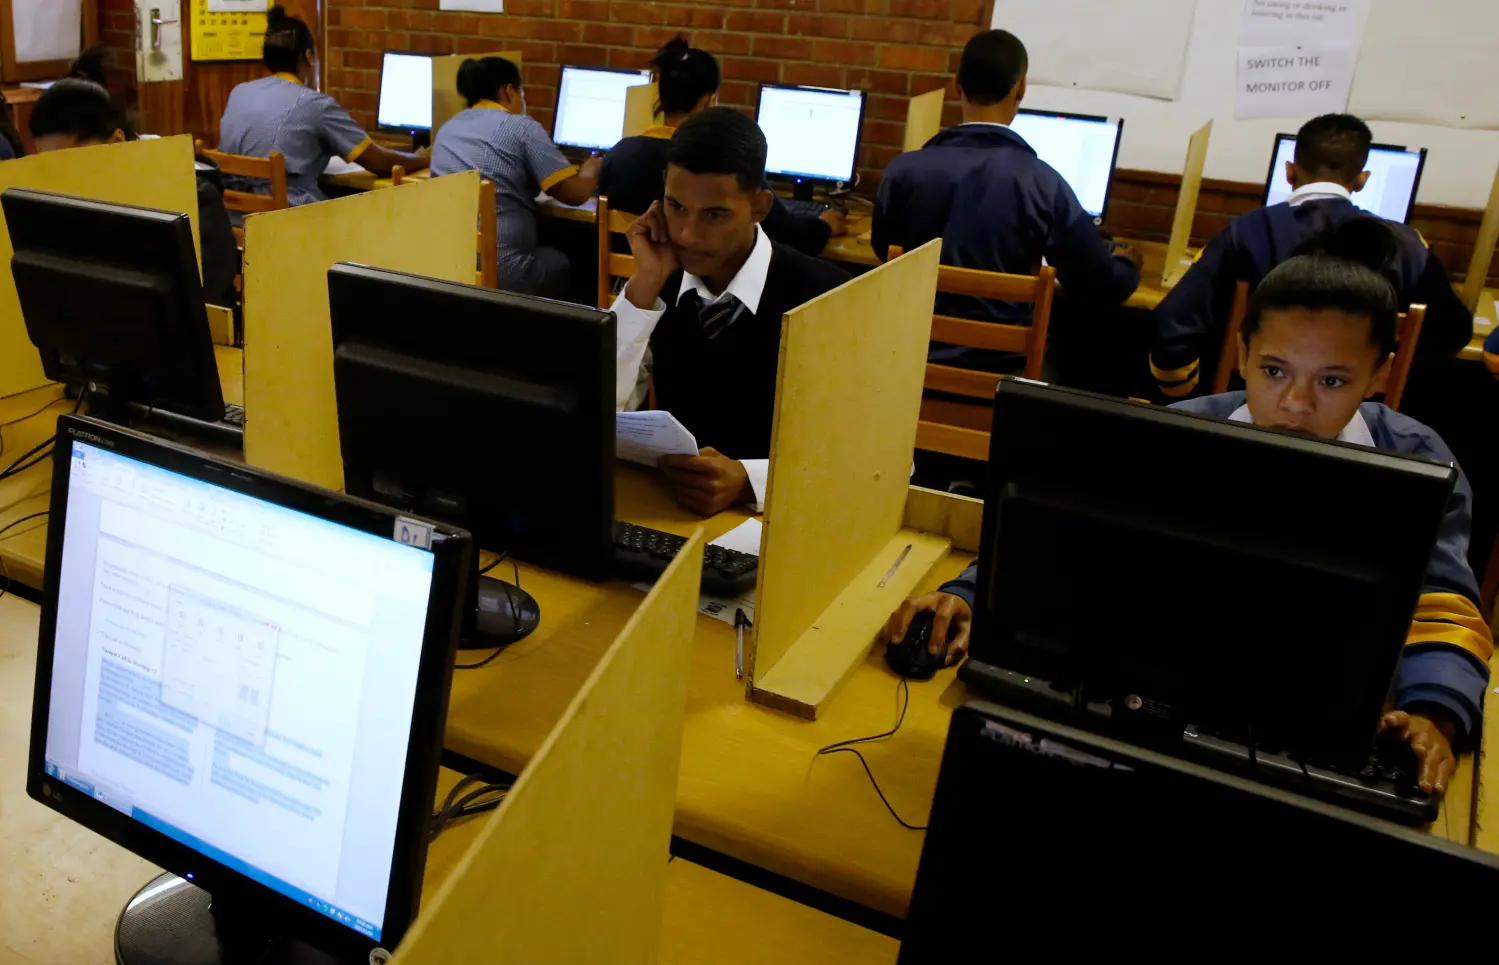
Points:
[(1177, 262), (923, 118), (640, 108), (426, 228), (152, 174), (446, 101), (1483, 250), (572, 867), (848, 394)]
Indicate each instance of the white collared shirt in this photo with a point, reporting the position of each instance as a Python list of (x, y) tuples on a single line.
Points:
[(984, 124), (1318, 191), (633, 328), (1356, 431)]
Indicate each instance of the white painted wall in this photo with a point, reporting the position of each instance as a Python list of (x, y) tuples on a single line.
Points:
[(1459, 168)]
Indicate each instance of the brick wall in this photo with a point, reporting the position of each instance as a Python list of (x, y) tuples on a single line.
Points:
[(894, 49), (117, 33)]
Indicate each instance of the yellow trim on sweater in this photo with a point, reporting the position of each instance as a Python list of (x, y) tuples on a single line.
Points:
[(559, 177), (661, 131), (1453, 619), (364, 145)]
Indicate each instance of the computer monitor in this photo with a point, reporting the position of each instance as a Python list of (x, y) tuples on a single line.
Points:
[(243, 680), (591, 106), (1270, 597), (1390, 193), (811, 133), (495, 413), (1042, 833), (113, 301), (405, 93), (1083, 149)]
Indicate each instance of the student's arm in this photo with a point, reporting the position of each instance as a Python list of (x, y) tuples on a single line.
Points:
[(1491, 352), (349, 141), (1085, 267), (557, 176), (807, 235), (382, 160), (577, 188), (1449, 324), (221, 260), (639, 307), (1185, 318), (952, 607)]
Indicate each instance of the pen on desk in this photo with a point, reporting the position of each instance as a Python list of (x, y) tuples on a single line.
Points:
[(896, 565), (740, 622)]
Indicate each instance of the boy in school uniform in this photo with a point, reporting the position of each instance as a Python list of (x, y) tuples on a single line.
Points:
[(1326, 174), (1318, 341), (708, 295)]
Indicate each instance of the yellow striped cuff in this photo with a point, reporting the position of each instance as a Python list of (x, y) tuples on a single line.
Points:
[(1453, 619), (555, 179), (364, 145), (1187, 371)]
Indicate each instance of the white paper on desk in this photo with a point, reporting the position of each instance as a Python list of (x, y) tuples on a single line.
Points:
[(744, 538), (47, 29), (480, 6), (338, 167), (718, 607), (644, 437)]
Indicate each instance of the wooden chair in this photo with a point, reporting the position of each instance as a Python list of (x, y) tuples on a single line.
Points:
[(611, 264), (270, 169), (488, 266), (962, 429), (1407, 334)]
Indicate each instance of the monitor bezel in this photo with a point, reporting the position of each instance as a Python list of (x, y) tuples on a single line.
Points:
[(1410, 204), (452, 558), (1118, 122), (853, 172), (380, 90), (557, 114)]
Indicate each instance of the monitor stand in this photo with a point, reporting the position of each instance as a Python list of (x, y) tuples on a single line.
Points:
[(173, 922), (501, 614)]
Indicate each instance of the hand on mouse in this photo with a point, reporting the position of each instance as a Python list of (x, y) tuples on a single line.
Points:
[(951, 614), (1430, 734)]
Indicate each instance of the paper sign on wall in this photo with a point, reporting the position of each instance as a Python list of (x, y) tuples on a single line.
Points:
[(46, 29), (479, 6), (1296, 57)]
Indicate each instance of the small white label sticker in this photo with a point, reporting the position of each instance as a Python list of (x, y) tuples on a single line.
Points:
[(412, 533)]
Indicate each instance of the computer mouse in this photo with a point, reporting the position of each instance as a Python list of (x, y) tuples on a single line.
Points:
[(910, 658)]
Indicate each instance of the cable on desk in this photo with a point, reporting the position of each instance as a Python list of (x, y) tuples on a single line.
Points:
[(5, 573), (7, 425), (514, 613), (847, 747), (470, 796), (17, 467)]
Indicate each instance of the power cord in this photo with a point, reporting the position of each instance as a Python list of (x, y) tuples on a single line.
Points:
[(21, 464), (33, 415), (5, 573), (509, 599), (470, 796), (847, 747)]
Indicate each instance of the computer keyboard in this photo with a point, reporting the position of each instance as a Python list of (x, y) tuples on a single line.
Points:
[(644, 554), (234, 415), (805, 209)]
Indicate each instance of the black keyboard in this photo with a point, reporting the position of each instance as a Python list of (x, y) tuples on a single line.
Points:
[(234, 415), (805, 209), (644, 554)]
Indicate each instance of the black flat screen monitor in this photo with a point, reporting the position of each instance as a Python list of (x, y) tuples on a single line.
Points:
[(811, 133), (1083, 148), (405, 92), (1394, 178)]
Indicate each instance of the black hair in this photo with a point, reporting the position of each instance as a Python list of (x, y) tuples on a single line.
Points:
[(287, 40), (1342, 268), (484, 78), (90, 65), (720, 140), (992, 64), (81, 108), (1333, 147), (684, 76)]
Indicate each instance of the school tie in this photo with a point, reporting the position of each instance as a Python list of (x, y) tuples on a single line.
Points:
[(714, 317)]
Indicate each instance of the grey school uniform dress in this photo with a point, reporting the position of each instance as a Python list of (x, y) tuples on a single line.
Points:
[(277, 113), (514, 152)]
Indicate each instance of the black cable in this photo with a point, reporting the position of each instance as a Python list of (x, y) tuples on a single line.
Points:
[(470, 796), (846, 747), (4, 572), (16, 466), (7, 425), (514, 612)]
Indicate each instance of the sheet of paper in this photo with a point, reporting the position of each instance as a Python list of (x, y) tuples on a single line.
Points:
[(718, 607), (480, 6), (1294, 81), (1275, 23), (1428, 63), (644, 437), (47, 29), (744, 538), (337, 167), (237, 6), (1130, 48)]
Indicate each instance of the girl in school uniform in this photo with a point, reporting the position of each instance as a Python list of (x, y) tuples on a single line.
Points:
[(634, 170), (495, 137), (281, 113)]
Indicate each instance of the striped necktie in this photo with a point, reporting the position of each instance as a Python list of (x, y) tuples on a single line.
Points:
[(714, 317)]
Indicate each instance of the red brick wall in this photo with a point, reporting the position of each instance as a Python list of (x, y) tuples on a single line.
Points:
[(117, 32), (893, 49)]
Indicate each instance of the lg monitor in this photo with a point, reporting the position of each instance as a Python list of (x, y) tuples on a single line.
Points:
[(405, 93), (591, 106), (495, 413), (112, 299), (243, 680), (1083, 149), (811, 133), (1394, 177)]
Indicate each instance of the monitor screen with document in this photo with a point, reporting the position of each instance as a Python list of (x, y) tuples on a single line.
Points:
[(1394, 177), (811, 132), (1081, 147), (405, 92), (591, 106)]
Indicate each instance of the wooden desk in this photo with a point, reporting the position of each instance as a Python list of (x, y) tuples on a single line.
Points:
[(61, 885)]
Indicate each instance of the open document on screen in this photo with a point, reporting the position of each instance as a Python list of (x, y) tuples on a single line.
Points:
[(591, 106), (1387, 193), (239, 676), (1079, 149), (810, 133), (406, 92)]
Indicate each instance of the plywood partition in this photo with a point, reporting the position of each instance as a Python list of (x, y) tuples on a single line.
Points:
[(1483, 251), (572, 867), (1186, 207), (923, 118), (847, 399), (446, 101), (640, 108), (152, 174), (426, 228)]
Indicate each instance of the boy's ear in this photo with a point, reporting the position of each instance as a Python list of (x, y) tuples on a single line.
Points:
[(761, 204), (1243, 357), (1360, 181), (1381, 379), (1019, 90)]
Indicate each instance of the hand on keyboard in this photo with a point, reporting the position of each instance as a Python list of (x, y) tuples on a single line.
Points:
[(1430, 735)]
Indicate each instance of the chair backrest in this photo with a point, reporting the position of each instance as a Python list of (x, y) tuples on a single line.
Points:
[(397, 176), (489, 269), (944, 427), (270, 169), (1407, 334), (612, 265)]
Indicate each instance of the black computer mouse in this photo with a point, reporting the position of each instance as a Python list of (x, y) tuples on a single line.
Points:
[(910, 658)]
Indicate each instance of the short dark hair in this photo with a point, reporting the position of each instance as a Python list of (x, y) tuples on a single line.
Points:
[(1343, 268), (993, 63), (81, 108), (484, 78), (684, 76), (287, 40), (720, 140), (1334, 147)]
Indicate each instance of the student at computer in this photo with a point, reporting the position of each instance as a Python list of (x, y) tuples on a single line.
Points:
[(708, 295), (1318, 341), (496, 137), (79, 113), (281, 113), (635, 169), (1327, 171), (996, 206)]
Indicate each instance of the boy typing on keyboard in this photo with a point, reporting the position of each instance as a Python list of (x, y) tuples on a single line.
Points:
[(1318, 341)]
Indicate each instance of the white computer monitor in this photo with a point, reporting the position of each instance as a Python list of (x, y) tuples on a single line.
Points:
[(1390, 192), (1081, 147), (405, 92), (811, 133), (591, 106)]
